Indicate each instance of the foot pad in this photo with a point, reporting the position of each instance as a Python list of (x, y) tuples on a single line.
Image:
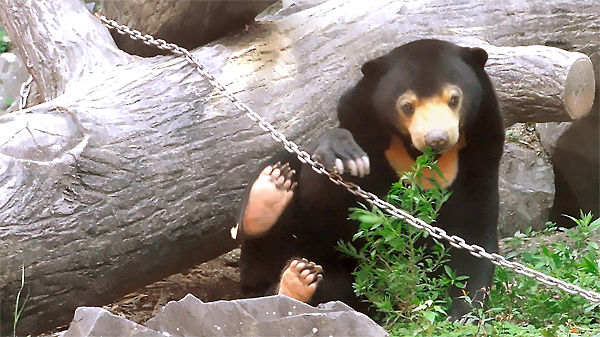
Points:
[(269, 195), (300, 280)]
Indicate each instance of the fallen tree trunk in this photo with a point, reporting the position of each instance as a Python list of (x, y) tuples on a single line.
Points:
[(541, 84), (187, 23), (132, 169)]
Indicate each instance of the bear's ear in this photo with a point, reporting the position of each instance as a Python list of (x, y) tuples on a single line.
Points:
[(475, 56), (375, 67)]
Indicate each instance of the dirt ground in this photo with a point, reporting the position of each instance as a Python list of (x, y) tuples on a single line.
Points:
[(214, 280)]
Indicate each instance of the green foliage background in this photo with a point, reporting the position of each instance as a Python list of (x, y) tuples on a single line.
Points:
[(4, 45)]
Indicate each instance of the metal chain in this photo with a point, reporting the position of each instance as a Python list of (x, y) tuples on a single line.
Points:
[(24, 93), (371, 198)]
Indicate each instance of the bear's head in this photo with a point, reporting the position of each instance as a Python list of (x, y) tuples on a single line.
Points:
[(428, 91)]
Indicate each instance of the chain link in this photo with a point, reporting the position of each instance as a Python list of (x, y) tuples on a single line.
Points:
[(371, 198), (24, 92)]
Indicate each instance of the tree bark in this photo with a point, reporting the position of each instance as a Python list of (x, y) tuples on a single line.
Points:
[(132, 168), (187, 23), (53, 60), (541, 84)]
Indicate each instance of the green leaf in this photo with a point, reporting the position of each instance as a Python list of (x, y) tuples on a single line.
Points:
[(449, 271), (369, 219), (590, 265), (430, 316), (595, 224)]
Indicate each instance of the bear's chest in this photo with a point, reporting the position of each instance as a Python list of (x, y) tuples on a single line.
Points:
[(400, 160)]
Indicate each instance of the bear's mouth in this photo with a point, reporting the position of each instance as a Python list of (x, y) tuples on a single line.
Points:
[(412, 151)]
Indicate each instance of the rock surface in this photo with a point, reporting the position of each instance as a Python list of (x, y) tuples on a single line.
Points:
[(12, 74), (576, 166), (266, 316), (526, 186), (89, 321)]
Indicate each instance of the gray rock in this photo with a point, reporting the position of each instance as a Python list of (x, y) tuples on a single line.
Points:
[(89, 322), (340, 323), (265, 316), (550, 133), (575, 154), (12, 74), (191, 317), (526, 190)]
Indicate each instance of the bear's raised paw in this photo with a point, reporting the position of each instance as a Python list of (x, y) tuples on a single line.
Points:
[(338, 151), (269, 195)]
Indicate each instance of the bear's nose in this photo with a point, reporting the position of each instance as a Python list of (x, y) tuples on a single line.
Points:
[(436, 139)]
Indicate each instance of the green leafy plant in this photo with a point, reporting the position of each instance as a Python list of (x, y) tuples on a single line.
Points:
[(407, 283), (394, 266), (574, 259)]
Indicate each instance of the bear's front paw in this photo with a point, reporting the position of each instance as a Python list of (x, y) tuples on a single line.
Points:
[(338, 152)]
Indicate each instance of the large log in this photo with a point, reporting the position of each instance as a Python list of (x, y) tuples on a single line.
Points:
[(131, 169), (58, 50), (541, 84), (187, 23)]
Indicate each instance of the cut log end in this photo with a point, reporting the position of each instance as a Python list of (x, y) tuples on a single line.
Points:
[(580, 88), (541, 84)]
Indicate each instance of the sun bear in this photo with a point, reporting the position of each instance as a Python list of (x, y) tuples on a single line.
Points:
[(426, 93)]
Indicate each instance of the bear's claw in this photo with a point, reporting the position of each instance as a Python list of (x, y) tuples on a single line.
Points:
[(338, 151)]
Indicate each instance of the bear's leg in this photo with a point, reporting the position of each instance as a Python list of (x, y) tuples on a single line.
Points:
[(270, 194), (300, 280), (481, 273)]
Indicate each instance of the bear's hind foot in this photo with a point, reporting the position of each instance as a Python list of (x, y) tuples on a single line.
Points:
[(300, 280), (269, 195)]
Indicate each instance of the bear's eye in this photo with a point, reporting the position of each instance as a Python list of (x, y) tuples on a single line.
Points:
[(408, 108), (453, 103)]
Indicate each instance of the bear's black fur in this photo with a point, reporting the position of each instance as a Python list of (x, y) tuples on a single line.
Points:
[(384, 106)]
